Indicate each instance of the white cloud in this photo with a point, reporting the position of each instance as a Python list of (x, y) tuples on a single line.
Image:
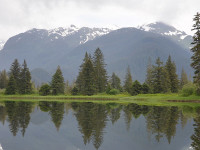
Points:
[(20, 15)]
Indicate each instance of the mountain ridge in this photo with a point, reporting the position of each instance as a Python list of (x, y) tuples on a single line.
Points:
[(121, 47)]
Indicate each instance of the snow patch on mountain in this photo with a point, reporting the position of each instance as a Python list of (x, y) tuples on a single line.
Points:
[(163, 29), (93, 33), (63, 31)]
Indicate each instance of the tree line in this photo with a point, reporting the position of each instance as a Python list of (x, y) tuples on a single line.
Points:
[(93, 79)]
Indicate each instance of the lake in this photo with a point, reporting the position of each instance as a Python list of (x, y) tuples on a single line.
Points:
[(89, 126)]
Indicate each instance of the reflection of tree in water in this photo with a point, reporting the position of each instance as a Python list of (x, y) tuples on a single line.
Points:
[(196, 136), (92, 120), (18, 115), (162, 121), (56, 110), (134, 110), (3, 114), (114, 111)]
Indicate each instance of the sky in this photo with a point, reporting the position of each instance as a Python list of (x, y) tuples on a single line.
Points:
[(18, 16)]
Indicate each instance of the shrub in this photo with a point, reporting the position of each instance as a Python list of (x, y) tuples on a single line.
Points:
[(45, 90), (114, 92), (188, 89)]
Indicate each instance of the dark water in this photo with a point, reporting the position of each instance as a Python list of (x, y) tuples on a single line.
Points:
[(90, 126)]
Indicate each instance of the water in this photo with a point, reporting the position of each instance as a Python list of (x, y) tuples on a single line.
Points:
[(90, 126)]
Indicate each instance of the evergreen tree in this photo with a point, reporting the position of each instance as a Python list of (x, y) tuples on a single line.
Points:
[(25, 80), (88, 78), (184, 79), (136, 88), (196, 51), (149, 78), (15, 71), (79, 80), (173, 77), (160, 78), (11, 88), (57, 83), (115, 82), (100, 71), (145, 88), (128, 81), (3, 79)]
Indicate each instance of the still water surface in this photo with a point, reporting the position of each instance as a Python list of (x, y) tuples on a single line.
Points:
[(90, 126)]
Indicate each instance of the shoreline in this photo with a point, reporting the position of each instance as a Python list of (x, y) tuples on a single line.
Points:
[(142, 99)]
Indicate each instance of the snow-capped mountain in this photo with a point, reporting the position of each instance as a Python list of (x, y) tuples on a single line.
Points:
[(83, 34), (66, 46), (1, 44), (169, 31)]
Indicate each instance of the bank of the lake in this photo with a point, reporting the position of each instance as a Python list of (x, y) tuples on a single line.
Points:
[(143, 99)]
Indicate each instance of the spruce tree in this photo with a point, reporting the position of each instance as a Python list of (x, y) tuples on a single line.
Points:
[(115, 82), (184, 79), (128, 81), (88, 76), (79, 80), (15, 71), (160, 78), (11, 88), (100, 71), (3, 79), (57, 83), (196, 51), (25, 86), (173, 77)]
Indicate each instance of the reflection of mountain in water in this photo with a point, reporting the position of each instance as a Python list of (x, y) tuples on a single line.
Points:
[(39, 117)]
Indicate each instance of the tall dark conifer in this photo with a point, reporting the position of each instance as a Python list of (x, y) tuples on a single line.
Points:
[(57, 83), (100, 71), (173, 77), (79, 80), (88, 76), (11, 88), (160, 78), (15, 71), (25, 86), (196, 51)]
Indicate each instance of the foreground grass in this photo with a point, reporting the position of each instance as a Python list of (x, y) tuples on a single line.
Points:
[(142, 99)]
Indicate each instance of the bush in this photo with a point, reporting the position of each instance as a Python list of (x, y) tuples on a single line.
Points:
[(188, 89), (45, 90), (114, 92)]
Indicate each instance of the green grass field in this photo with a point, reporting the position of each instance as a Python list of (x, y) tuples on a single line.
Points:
[(142, 99)]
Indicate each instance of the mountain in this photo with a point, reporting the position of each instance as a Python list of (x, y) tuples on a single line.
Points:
[(40, 76), (168, 31), (46, 49), (46, 45), (1, 44), (133, 47)]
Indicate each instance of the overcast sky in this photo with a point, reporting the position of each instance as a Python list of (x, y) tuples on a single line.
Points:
[(20, 15)]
